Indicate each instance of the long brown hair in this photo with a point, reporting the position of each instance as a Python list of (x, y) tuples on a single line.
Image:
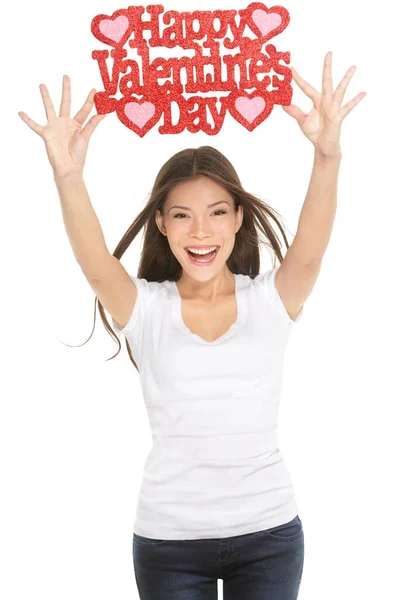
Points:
[(158, 263)]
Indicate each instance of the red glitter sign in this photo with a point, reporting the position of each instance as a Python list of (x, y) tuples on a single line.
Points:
[(145, 99)]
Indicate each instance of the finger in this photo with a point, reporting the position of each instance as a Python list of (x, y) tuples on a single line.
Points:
[(31, 123), (82, 115), (295, 112), (341, 88), (351, 104), (66, 97), (91, 126), (48, 105), (306, 87), (327, 75)]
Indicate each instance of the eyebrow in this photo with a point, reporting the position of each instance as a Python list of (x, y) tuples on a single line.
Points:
[(209, 206)]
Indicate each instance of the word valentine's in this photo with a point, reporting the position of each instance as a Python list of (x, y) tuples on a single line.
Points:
[(247, 80)]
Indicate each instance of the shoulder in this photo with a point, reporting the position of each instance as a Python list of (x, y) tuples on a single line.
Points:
[(267, 284)]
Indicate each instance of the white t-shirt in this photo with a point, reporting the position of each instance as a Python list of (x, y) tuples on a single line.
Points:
[(215, 469)]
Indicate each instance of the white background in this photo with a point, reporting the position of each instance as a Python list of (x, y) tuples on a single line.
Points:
[(74, 432)]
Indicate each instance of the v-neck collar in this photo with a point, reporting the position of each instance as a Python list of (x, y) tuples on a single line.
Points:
[(179, 322)]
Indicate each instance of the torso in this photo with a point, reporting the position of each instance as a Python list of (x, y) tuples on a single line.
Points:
[(212, 406)]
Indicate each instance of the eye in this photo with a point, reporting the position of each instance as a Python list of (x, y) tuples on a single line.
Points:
[(184, 215)]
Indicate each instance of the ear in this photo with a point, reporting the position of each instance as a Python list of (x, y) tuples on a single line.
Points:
[(159, 222), (239, 217)]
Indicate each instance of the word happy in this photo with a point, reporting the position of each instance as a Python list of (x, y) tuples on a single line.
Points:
[(248, 80)]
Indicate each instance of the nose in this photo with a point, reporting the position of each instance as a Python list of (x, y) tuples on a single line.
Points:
[(200, 229)]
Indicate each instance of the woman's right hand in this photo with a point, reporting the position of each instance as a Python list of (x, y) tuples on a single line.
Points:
[(66, 142)]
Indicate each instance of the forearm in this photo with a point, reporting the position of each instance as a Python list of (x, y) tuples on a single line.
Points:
[(319, 209), (82, 225)]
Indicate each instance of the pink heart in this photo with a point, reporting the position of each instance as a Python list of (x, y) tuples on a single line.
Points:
[(114, 29), (250, 108), (266, 22), (139, 114)]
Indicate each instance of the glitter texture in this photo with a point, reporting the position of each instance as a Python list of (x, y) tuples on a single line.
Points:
[(141, 89)]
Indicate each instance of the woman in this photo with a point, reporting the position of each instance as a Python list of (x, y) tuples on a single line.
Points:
[(208, 333)]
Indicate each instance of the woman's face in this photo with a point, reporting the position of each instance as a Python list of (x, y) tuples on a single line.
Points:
[(200, 214)]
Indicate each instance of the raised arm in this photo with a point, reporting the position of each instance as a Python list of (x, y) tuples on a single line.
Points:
[(82, 225), (322, 126), (66, 142)]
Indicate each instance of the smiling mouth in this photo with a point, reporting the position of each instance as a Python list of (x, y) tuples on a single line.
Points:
[(202, 258)]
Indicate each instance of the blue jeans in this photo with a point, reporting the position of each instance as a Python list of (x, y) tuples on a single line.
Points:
[(265, 565)]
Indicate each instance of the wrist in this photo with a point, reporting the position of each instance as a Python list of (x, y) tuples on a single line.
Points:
[(326, 158), (68, 177)]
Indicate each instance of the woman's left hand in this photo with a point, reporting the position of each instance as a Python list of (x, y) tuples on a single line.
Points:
[(322, 125)]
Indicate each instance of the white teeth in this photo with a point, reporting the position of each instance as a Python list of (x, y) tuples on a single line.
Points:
[(197, 251)]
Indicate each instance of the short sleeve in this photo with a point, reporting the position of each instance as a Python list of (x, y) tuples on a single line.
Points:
[(267, 283), (138, 310)]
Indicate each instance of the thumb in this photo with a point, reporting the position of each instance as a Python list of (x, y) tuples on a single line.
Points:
[(294, 111), (91, 126)]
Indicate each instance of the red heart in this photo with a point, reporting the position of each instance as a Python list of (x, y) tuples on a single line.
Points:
[(111, 30), (114, 29), (248, 109), (266, 23), (139, 115)]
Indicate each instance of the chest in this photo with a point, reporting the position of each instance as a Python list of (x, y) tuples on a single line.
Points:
[(210, 349), (209, 321)]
